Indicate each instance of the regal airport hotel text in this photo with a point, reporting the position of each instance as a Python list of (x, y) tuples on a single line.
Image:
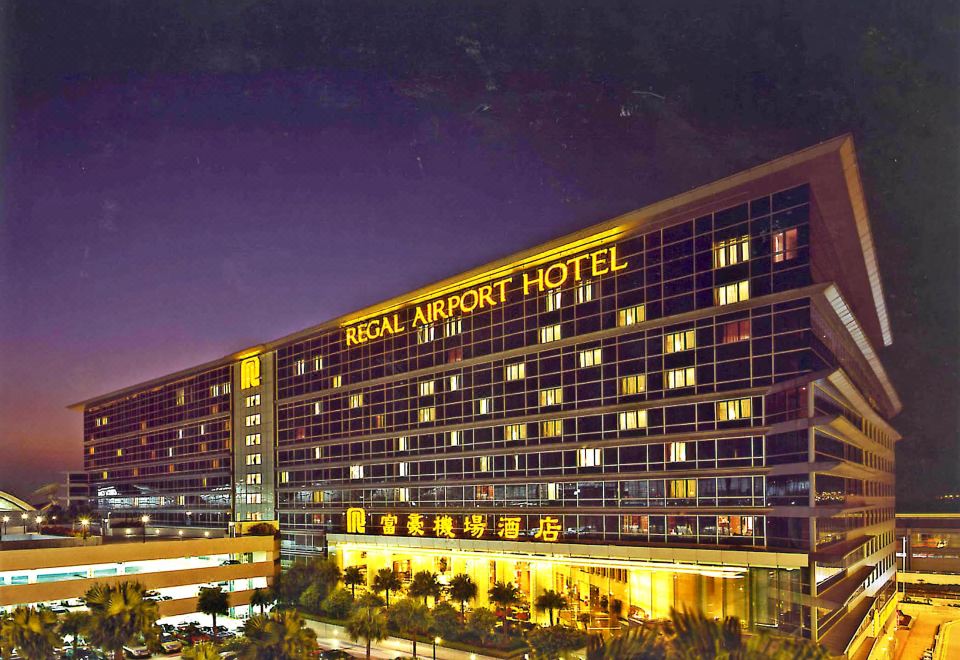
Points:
[(682, 406)]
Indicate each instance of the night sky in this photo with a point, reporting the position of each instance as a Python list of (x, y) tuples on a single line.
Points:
[(184, 179)]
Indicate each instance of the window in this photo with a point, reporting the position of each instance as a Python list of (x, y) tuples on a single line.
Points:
[(483, 463), (299, 367), (427, 414), (402, 443), (317, 363), (426, 333), (551, 397), (549, 333), (515, 432), (252, 439), (180, 433), (181, 397), (733, 409), (551, 428), (426, 387), (454, 437), (317, 407), (679, 341), (336, 381), (515, 371), (785, 245), (214, 390), (731, 251), (356, 472), (284, 477), (402, 468), (254, 459), (119, 452), (551, 491), (591, 357), (586, 291), (589, 457), (252, 420), (484, 406), (452, 327), (633, 384), (678, 452), (251, 401), (680, 378), (254, 479), (682, 488), (356, 400), (254, 498), (735, 331), (631, 315), (318, 453), (226, 388), (403, 494), (554, 300), (454, 383), (731, 293), (632, 419)]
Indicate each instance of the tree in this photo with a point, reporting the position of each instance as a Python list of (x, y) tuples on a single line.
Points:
[(338, 604), (213, 601), (463, 589), (447, 622), (74, 624), (549, 601), (312, 598), (293, 582), (481, 624), (280, 636), (32, 632), (367, 623), (201, 651), (425, 585), (353, 577), (410, 618), (120, 614), (637, 643), (504, 594), (261, 598), (387, 580), (555, 641), (326, 575)]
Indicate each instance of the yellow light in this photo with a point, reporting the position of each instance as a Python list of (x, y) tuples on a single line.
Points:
[(144, 519), (84, 522)]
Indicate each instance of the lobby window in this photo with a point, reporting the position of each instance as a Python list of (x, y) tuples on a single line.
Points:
[(735, 331), (251, 401), (680, 378), (589, 457), (731, 251), (452, 327), (402, 443), (678, 452), (731, 293), (550, 333), (553, 301), (551, 397), (631, 315), (551, 428), (632, 419), (181, 397), (733, 409), (515, 371), (317, 407), (426, 333), (317, 363), (427, 414), (254, 498), (336, 381), (426, 387), (254, 479), (591, 357), (679, 341), (251, 420), (356, 472), (683, 488), (586, 291), (252, 439), (484, 406), (515, 432), (454, 437), (254, 459), (454, 383), (785, 245), (633, 384), (356, 400), (300, 367)]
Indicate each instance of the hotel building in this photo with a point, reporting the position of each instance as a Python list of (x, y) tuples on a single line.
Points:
[(681, 406)]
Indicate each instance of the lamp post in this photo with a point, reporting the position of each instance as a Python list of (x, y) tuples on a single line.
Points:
[(144, 519), (24, 518), (39, 524), (84, 524), (436, 640), (6, 519)]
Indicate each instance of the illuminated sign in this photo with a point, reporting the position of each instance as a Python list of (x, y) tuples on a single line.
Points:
[(250, 373), (589, 265), (448, 526)]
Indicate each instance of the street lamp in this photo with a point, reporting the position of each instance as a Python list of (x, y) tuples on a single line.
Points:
[(25, 518), (6, 519), (144, 519), (39, 524), (436, 640), (180, 534), (84, 524)]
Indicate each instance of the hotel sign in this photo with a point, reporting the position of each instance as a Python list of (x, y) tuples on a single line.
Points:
[(470, 526), (589, 265)]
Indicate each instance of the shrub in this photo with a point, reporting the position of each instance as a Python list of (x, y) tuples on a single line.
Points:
[(555, 641), (312, 598), (481, 624), (446, 622), (338, 604)]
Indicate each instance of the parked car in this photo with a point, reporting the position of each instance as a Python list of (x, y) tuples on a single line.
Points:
[(170, 644), (229, 562), (138, 651), (58, 609)]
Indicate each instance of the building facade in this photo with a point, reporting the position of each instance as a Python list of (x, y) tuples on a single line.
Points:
[(679, 406)]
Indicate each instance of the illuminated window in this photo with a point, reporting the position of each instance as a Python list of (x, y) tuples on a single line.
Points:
[(586, 291), (402, 443), (454, 438), (785, 245), (632, 419), (252, 439), (181, 500), (226, 388), (119, 452), (336, 381), (317, 407), (483, 463), (679, 341), (181, 397), (254, 479), (631, 315), (284, 477), (633, 384), (551, 491), (251, 401), (180, 433), (554, 300), (317, 453), (678, 452), (515, 432), (426, 387), (379, 421), (103, 474), (484, 406), (102, 421), (591, 357), (589, 457), (454, 383), (170, 452), (356, 472), (551, 397), (735, 331), (252, 420), (300, 367), (403, 494), (91, 451), (254, 498), (427, 414), (731, 293), (682, 488), (254, 459), (214, 390), (733, 409), (549, 333), (317, 363), (515, 371), (356, 400), (318, 497), (551, 428), (731, 251), (426, 333), (680, 378), (402, 468), (452, 327)]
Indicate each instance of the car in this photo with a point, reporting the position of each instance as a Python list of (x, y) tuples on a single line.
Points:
[(334, 654), (58, 609), (170, 644), (229, 562), (138, 651)]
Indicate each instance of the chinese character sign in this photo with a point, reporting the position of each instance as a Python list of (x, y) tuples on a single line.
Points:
[(445, 526)]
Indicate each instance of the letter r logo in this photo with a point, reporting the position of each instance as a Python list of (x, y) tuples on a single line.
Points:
[(356, 521), (250, 373)]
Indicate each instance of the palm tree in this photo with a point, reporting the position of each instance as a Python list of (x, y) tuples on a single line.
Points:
[(261, 598), (201, 651), (368, 623), (73, 624), (549, 601), (353, 577), (280, 636), (119, 615), (32, 632), (425, 584), (462, 589), (638, 643), (504, 594), (411, 618), (387, 580), (213, 601)]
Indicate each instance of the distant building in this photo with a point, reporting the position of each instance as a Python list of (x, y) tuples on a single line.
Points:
[(928, 552)]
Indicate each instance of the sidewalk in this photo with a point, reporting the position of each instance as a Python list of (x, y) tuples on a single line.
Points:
[(331, 636)]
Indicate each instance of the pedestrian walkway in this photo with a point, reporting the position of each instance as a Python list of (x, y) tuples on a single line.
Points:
[(331, 637)]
